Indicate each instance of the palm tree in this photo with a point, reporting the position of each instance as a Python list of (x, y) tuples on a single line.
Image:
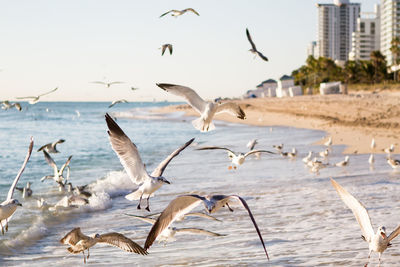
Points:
[(378, 61), (395, 49)]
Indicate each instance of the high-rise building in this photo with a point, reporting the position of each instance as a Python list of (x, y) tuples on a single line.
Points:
[(390, 27), (336, 23), (367, 36)]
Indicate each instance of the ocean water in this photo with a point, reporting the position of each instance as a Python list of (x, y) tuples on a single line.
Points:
[(301, 217)]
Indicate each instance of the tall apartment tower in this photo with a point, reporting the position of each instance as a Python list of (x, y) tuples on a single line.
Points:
[(336, 23), (390, 26)]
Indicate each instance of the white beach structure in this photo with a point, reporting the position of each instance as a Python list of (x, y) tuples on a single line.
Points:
[(286, 87), (329, 88), (265, 89)]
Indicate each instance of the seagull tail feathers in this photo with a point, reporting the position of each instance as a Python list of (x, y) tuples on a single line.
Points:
[(135, 195), (201, 125)]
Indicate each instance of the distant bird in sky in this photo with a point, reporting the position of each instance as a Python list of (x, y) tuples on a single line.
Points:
[(58, 174), (106, 84), (35, 99), (51, 147), (184, 204), (253, 47), (175, 13), (7, 105), (128, 154), (207, 109), (78, 242), (134, 88), (117, 102), (9, 206), (164, 47), (378, 241)]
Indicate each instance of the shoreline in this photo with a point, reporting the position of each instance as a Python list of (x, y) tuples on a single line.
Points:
[(352, 120)]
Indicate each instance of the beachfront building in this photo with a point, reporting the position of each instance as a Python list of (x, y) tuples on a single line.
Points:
[(390, 27), (287, 88), (336, 23), (367, 36), (265, 89)]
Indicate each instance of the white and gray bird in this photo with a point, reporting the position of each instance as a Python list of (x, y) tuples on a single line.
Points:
[(236, 158), (328, 142), (394, 163), (7, 105), (373, 144), (164, 48), (307, 158), (344, 162), (389, 150), (117, 102), (378, 241), (184, 204), (371, 159), (175, 13), (324, 153), (128, 154), (9, 206), (58, 173), (207, 109), (107, 84), (51, 147), (278, 147), (78, 242), (251, 144), (253, 48), (34, 99), (292, 154), (26, 190)]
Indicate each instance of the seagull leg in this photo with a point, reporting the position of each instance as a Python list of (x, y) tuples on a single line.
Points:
[(234, 167), (229, 167), (84, 258), (148, 205), (140, 200), (230, 209), (6, 225), (88, 254), (2, 228)]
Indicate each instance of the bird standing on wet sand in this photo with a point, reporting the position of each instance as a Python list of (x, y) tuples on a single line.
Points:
[(175, 13), (253, 47)]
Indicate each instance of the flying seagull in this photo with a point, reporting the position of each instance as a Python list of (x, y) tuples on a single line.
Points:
[(79, 242), (175, 13), (117, 102), (128, 154), (51, 147), (106, 84), (236, 158), (58, 173), (378, 241), (184, 204), (134, 88), (251, 144), (253, 47), (35, 99), (164, 47), (206, 109), (7, 105), (8, 207)]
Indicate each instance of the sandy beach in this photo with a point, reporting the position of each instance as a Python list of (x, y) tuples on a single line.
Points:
[(352, 120)]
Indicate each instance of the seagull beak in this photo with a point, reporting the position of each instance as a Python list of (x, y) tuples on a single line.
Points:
[(167, 182), (383, 234), (19, 204)]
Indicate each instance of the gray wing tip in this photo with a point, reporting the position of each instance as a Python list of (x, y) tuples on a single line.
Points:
[(165, 86), (113, 126)]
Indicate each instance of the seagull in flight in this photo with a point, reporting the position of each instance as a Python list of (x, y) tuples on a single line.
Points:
[(128, 154), (175, 13), (7, 105), (35, 99), (78, 242), (134, 88), (184, 204), (117, 102), (378, 241), (9, 206), (207, 109), (236, 158), (253, 47), (164, 48), (58, 173), (106, 84), (51, 147)]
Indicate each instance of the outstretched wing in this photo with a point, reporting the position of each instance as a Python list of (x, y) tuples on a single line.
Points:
[(14, 184), (162, 15), (99, 82), (120, 241), (395, 233), (231, 108), (358, 209), (126, 151), (48, 92), (230, 152), (262, 56), (170, 48), (43, 147), (161, 167), (258, 151), (187, 93), (26, 97), (250, 40), (73, 237), (111, 83), (51, 162), (192, 10), (202, 215), (145, 219), (65, 165), (198, 231)]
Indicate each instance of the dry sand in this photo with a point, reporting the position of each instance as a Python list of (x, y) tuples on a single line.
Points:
[(352, 119)]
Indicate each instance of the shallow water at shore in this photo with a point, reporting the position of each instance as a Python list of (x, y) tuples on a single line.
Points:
[(301, 217)]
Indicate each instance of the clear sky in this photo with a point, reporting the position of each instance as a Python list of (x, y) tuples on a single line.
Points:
[(67, 44)]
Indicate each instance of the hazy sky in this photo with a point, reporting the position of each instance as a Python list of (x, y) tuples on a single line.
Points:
[(47, 43)]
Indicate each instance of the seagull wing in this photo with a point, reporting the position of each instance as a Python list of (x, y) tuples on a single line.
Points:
[(231, 108), (175, 209), (65, 165), (14, 184), (170, 49), (197, 231), (58, 142), (161, 167), (113, 103), (167, 13), (26, 97), (250, 40), (43, 147), (191, 9), (262, 56), (202, 215), (120, 241), (73, 237), (187, 93), (258, 151), (230, 152), (395, 233), (358, 209), (145, 219), (251, 144), (111, 83), (48, 92), (163, 47), (126, 151), (99, 82), (51, 162), (18, 106)]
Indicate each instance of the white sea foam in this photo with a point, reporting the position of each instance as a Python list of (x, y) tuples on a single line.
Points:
[(28, 236), (116, 183)]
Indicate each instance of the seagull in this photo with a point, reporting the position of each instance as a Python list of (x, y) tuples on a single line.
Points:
[(343, 163), (324, 153), (26, 190), (134, 88), (35, 99), (8, 207), (278, 147), (394, 163), (128, 154), (207, 109), (164, 47), (176, 13), (184, 204), (169, 233), (373, 144), (116, 102), (7, 105), (51, 147), (236, 158), (329, 142), (316, 165), (106, 84), (390, 149), (253, 47), (58, 174), (371, 159), (378, 241), (79, 242), (308, 157), (292, 154)]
